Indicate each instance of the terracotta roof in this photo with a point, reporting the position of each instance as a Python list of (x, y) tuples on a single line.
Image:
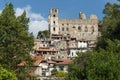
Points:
[(51, 62), (62, 61), (37, 59), (65, 61), (22, 63), (57, 59)]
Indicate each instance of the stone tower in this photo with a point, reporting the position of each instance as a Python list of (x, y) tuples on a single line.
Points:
[(82, 15), (53, 21)]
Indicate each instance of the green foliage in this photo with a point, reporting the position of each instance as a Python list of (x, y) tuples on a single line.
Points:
[(54, 71), (97, 65), (110, 24), (61, 74), (6, 75), (15, 41), (58, 73), (43, 34)]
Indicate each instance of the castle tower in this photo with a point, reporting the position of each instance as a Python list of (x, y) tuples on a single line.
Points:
[(53, 21), (82, 15)]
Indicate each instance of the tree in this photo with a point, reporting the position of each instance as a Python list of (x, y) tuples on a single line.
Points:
[(54, 71), (97, 65), (43, 34), (110, 24), (111, 21), (7, 75), (15, 41), (61, 74)]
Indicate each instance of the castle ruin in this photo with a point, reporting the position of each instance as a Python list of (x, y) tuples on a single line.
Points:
[(78, 29)]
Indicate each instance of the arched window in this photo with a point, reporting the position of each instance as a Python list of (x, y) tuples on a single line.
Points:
[(72, 53), (55, 10), (92, 29), (86, 29), (52, 10), (54, 15), (79, 28), (73, 26), (62, 28), (54, 22), (67, 29), (53, 28)]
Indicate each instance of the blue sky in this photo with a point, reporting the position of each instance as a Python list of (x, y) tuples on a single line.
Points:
[(38, 10)]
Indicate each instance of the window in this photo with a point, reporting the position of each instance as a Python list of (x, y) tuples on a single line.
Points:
[(79, 28), (52, 10), (55, 10), (61, 68), (73, 26), (67, 29), (92, 28), (58, 57), (62, 29), (86, 29), (52, 57), (72, 53), (54, 22), (54, 29), (54, 15)]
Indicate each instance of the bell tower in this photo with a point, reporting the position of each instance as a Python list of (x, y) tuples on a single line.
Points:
[(53, 21)]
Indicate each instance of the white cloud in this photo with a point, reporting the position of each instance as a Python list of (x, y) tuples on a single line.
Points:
[(18, 11), (37, 21), (0, 11), (36, 26)]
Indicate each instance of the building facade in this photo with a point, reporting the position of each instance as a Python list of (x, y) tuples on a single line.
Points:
[(79, 29)]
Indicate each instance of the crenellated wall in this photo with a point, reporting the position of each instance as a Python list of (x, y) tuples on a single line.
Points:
[(81, 29)]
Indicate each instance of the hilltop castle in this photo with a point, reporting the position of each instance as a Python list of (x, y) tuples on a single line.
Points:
[(81, 29)]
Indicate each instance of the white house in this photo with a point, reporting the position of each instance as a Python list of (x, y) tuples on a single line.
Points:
[(81, 47)]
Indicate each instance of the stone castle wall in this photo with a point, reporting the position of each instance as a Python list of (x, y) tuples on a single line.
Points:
[(81, 29)]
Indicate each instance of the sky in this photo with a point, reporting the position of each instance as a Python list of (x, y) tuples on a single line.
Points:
[(38, 10)]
